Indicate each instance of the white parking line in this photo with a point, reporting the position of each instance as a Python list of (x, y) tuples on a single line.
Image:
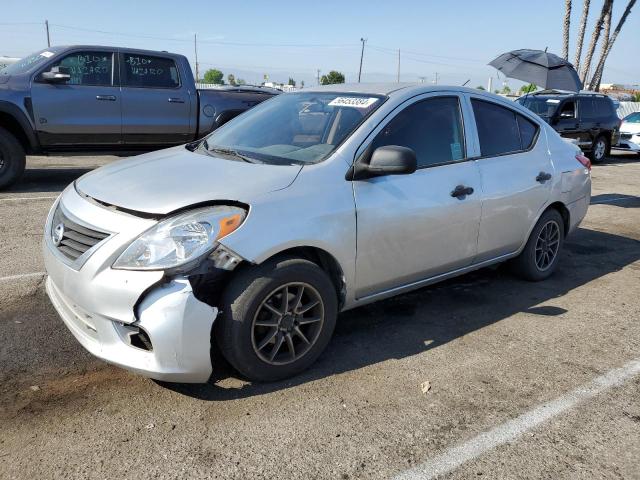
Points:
[(456, 456), (14, 199), (617, 199), (22, 275)]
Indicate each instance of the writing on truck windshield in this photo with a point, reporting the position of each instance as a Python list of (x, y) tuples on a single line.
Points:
[(294, 127)]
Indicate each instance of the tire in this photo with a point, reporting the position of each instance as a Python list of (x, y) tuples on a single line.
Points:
[(600, 149), (253, 296), (530, 264), (12, 158)]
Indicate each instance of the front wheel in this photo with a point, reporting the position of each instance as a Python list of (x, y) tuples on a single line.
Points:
[(539, 258), (277, 318), (12, 158), (600, 149)]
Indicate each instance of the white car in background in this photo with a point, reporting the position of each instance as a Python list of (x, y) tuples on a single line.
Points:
[(6, 61), (629, 134)]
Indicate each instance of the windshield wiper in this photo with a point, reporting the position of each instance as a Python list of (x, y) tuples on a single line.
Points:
[(229, 152)]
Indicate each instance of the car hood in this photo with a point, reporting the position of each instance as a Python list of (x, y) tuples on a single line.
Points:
[(168, 180), (628, 127)]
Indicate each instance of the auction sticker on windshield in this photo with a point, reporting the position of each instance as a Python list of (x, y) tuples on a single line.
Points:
[(355, 102)]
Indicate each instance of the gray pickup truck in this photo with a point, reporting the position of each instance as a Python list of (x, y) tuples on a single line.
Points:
[(93, 99)]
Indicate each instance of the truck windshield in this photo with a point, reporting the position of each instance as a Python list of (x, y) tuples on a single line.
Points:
[(27, 63), (293, 127), (545, 106)]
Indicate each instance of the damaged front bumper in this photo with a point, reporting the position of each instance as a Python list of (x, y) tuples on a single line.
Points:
[(140, 321)]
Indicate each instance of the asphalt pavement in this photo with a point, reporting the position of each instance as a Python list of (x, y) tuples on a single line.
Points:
[(526, 380)]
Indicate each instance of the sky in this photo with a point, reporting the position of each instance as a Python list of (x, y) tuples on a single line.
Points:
[(453, 40)]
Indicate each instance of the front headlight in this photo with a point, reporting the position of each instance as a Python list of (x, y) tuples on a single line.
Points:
[(180, 240)]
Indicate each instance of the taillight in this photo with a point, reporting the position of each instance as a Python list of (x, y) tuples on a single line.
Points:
[(586, 163)]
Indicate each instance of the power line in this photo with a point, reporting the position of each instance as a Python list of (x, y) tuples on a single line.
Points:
[(210, 42)]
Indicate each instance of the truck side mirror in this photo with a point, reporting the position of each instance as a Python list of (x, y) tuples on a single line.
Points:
[(57, 75)]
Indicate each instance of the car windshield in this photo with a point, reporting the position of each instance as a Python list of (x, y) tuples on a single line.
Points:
[(300, 128), (27, 63), (544, 106), (633, 118)]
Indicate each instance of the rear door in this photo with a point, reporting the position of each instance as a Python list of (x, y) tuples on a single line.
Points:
[(85, 111), (412, 227), (590, 124), (156, 101), (516, 172)]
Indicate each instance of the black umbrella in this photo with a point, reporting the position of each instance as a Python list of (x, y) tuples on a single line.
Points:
[(540, 68)]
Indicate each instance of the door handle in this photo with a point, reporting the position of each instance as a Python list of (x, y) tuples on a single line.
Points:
[(175, 100), (543, 177), (108, 98), (461, 191)]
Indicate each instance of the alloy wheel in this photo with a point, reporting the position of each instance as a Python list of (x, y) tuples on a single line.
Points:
[(287, 323), (547, 245), (600, 149)]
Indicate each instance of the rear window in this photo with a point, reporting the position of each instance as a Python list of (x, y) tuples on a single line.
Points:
[(502, 130), (149, 72)]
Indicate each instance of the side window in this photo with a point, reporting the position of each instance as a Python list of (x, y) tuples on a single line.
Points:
[(432, 128), (587, 110), (528, 131), (147, 71), (568, 109), (498, 128), (89, 68)]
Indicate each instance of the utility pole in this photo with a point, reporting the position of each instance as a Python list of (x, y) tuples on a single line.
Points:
[(363, 40), (318, 76), (398, 65), (435, 81), (195, 47), (46, 25)]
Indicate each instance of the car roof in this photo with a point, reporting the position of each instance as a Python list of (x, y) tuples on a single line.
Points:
[(391, 89)]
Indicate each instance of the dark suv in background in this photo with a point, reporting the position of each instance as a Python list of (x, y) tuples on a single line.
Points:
[(590, 119)]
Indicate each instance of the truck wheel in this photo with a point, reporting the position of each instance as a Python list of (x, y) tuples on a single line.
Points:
[(539, 258), (276, 318), (12, 158), (600, 149)]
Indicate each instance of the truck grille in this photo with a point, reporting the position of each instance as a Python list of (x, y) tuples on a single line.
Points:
[(625, 136), (72, 239)]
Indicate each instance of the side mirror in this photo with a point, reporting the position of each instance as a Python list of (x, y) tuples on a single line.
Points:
[(389, 160), (57, 75)]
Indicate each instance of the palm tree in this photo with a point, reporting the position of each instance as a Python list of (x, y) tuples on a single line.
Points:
[(597, 76), (603, 47), (565, 30), (583, 27), (606, 7)]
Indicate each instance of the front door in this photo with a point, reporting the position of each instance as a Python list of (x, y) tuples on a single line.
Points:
[(156, 102), (412, 227), (83, 112), (516, 172)]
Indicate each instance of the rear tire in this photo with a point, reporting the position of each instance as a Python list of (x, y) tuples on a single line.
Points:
[(600, 149), (540, 256), (267, 338), (12, 158)]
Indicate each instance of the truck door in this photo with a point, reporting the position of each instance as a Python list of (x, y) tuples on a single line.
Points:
[(156, 103), (84, 111)]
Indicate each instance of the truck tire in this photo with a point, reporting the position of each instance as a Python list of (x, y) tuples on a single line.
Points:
[(12, 158)]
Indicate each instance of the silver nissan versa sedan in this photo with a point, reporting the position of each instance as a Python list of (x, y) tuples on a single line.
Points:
[(311, 203)]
